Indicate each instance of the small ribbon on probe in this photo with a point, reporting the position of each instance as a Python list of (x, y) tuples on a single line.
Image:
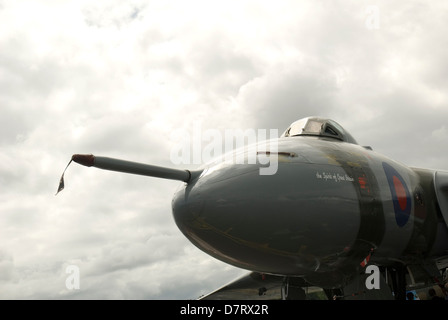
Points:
[(61, 181)]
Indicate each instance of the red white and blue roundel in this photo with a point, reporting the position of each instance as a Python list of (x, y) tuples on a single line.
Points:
[(401, 197)]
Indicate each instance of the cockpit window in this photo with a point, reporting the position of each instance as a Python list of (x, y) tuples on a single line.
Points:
[(296, 128), (329, 130), (336, 125), (314, 126)]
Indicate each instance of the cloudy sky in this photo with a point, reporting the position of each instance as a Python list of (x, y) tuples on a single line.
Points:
[(117, 78)]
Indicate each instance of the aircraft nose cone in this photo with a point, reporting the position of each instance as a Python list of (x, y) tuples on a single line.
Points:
[(186, 207), (287, 223)]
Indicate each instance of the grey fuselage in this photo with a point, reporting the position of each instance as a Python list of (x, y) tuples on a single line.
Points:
[(330, 206)]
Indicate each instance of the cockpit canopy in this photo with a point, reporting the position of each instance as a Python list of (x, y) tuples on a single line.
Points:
[(321, 127)]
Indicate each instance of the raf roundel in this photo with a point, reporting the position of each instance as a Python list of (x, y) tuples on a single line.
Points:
[(401, 197)]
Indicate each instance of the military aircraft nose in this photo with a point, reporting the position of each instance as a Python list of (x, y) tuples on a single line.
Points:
[(287, 223)]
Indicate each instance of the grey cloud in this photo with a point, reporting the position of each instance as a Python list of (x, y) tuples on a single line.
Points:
[(7, 269), (115, 15), (287, 94)]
